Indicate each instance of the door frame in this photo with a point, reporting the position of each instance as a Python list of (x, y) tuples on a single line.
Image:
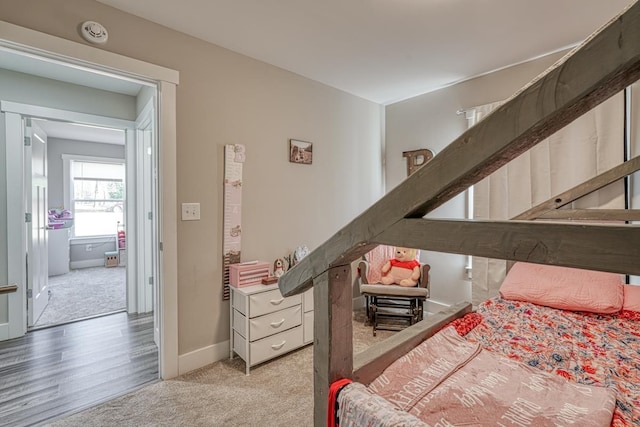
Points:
[(37, 264), (16, 272), (96, 61), (145, 187)]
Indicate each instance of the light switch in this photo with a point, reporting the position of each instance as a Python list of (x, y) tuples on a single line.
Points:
[(191, 211)]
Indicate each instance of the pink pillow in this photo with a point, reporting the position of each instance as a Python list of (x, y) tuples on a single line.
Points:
[(631, 298), (565, 288)]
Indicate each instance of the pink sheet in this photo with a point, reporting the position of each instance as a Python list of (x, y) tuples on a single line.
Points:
[(450, 381)]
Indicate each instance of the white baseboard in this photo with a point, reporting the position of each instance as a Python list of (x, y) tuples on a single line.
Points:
[(432, 306), (86, 263), (202, 357)]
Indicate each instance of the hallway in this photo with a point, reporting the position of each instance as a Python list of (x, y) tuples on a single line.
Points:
[(55, 371)]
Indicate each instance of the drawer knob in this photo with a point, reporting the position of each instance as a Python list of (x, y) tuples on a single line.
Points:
[(278, 346), (277, 324), (277, 301)]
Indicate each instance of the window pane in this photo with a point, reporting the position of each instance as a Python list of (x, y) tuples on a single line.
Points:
[(87, 189), (98, 197), (113, 171), (93, 220)]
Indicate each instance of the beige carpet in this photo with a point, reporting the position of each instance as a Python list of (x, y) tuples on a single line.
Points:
[(83, 293), (277, 393)]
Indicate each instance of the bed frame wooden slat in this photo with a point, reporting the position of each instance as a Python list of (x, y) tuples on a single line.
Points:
[(369, 364), (333, 332), (581, 190), (606, 63), (593, 214), (614, 248)]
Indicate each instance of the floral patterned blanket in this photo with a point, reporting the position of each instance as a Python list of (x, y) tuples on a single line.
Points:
[(449, 381), (586, 348)]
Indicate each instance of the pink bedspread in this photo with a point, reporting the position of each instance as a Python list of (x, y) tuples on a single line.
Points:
[(451, 381), (586, 348)]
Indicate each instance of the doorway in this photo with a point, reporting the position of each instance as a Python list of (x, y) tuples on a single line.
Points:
[(86, 228), (71, 61), (98, 172), (108, 218)]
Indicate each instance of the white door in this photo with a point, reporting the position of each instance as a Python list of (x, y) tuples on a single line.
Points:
[(150, 236), (146, 199), (37, 252)]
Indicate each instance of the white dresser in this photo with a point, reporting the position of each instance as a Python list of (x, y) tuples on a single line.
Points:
[(265, 325), (58, 251)]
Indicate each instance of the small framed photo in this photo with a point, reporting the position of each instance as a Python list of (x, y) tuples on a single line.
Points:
[(300, 151)]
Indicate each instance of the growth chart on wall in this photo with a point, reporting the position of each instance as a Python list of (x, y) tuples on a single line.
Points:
[(234, 156)]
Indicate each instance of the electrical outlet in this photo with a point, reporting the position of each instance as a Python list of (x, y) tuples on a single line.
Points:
[(191, 211)]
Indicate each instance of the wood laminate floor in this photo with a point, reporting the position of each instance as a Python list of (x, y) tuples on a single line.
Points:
[(55, 371)]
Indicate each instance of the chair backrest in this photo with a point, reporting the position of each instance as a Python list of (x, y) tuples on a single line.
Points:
[(376, 258), (371, 271), (424, 276)]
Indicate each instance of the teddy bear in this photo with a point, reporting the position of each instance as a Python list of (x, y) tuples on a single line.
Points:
[(403, 269)]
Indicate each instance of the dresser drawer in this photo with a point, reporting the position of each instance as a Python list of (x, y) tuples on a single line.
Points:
[(269, 347), (270, 301), (275, 345), (272, 323)]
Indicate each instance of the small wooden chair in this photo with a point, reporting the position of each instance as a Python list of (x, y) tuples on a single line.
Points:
[(401, 306)]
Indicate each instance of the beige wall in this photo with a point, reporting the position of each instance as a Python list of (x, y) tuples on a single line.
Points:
[(430, 121), (226, 98)]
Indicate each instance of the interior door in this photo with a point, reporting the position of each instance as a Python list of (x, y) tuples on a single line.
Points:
[(146, 199), (37, 207), (149, 237)]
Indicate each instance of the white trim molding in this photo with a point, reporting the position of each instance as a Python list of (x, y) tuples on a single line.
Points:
[(65, 115), (202, 357), (79, 56)]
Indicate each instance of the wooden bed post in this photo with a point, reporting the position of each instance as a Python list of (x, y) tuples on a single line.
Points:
[(333, 335)]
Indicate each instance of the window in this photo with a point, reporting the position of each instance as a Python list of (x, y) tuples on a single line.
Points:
[(97, 197)]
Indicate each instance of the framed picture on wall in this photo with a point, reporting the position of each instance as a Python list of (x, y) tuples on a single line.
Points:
[(300, 151)]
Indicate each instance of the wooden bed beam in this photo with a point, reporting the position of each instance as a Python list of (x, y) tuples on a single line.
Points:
[(602, 66), (612, 175), (593, 214), (333, 335), (369, 364), (594, 247)]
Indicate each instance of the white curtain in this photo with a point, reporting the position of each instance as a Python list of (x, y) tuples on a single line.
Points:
[(585, 148)]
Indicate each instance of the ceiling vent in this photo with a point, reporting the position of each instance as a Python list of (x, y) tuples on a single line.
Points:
[(94, 32)]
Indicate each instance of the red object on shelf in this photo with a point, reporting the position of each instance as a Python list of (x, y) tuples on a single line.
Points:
[(122, 239)]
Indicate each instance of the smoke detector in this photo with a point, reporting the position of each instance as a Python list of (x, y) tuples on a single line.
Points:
[(94, 32)]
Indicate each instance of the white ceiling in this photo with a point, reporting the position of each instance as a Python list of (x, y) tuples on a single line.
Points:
[(30, 64), (384, 50), (80, 132)]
